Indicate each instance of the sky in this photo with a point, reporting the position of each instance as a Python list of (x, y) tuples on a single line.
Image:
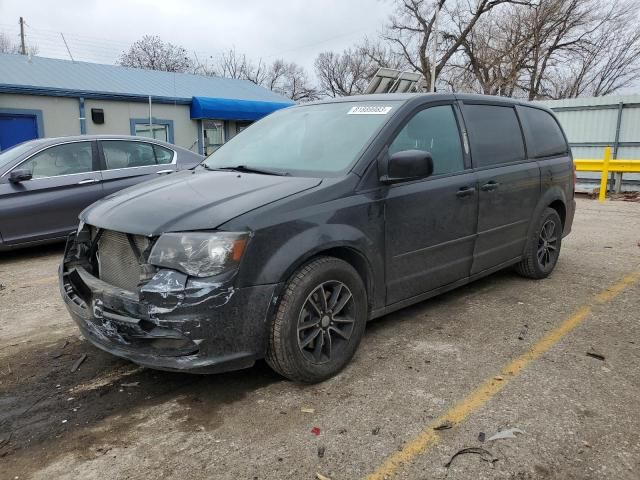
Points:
[(99, 31)]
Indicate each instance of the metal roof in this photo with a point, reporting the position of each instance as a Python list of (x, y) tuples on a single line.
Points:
[(48, 76)]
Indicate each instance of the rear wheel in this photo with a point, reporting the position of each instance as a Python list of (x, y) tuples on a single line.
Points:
[(543, 247), (319, 322)]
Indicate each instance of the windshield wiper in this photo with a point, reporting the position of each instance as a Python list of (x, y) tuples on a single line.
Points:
[(244, 168)]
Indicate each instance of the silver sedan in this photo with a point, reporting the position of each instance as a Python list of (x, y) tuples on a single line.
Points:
[(46, 183)]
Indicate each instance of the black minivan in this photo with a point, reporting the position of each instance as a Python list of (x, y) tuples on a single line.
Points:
[(288, 239)]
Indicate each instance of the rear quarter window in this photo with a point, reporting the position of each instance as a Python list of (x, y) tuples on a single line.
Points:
[(544, 137), (494, 134)]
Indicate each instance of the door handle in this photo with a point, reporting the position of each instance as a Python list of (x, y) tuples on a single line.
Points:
[(88, 180), (490, 186), (161, 172), (465, 192)]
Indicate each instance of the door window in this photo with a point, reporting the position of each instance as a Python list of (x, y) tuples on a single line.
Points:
[(124, 154), (65, 159), (433, 130), (213, 135), (494, 134)]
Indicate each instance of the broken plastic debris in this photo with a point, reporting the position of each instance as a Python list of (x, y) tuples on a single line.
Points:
[(498, 378), (319, 476), (78, 362), (485, 455), (307, 410), (595, 355), (444, 426), (315, 431), (509, 433)]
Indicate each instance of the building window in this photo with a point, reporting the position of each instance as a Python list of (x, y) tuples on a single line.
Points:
[(159, 132), (240, 126), (158, 128), (213, 132)]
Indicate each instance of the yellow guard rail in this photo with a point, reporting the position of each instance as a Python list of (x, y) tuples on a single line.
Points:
[(606, 165)]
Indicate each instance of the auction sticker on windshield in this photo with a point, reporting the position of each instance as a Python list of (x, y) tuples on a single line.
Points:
[(369, 110)]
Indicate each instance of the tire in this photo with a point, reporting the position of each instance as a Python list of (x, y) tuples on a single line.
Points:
[(301, 314), (540, 258)]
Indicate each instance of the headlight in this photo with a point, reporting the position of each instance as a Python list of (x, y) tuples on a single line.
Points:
[(199, 254)]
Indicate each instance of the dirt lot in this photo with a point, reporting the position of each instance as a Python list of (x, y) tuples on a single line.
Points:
[(501, 353)]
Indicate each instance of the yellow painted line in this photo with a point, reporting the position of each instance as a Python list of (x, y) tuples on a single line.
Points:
[(490, 387)]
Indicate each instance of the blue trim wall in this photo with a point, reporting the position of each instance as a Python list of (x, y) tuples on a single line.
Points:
[(156, 121), (83, 120), (28, 112)]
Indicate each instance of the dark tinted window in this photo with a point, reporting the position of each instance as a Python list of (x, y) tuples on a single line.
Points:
[(544, 136), (66, 159), (433, 130), (494, 134)]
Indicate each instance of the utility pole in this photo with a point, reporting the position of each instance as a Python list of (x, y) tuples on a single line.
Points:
[(23, 49), (435, 48)]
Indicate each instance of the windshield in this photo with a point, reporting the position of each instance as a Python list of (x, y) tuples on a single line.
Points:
[(14, 152), (323, 139)]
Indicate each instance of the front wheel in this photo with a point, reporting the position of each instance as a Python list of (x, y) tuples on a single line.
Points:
[(543, 247), (319, 322)]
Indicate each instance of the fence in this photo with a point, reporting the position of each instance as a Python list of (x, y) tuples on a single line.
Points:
[(591, 125), (605, 165)]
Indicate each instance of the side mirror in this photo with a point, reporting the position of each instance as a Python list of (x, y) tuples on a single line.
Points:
[(408, 165), (20, 175)]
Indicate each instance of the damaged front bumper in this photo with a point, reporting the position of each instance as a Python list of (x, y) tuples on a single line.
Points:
[(174, 322)]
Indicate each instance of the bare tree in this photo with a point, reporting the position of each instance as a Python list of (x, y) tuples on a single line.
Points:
[(411, 30), (349, 72), (286, 78), (7, 46), (552, 49), (151, 53), (606, 59), (290, 79)]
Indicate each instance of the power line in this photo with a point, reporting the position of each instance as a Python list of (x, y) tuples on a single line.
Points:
[(99, 49)]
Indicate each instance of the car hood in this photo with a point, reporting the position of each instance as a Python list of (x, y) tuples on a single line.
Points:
[(190, 200)]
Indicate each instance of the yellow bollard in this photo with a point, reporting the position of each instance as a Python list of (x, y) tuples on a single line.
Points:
[(605, 174)]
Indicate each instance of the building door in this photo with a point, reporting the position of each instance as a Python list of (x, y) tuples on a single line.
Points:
[(16, 129)]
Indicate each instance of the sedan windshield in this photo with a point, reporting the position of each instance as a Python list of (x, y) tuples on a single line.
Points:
[(12, 153), (323, 139)]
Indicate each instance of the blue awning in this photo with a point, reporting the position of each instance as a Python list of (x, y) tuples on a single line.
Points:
[(232, 109)]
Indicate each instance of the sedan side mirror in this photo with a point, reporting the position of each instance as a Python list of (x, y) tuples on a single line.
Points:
[(408, 165), (20, 175)]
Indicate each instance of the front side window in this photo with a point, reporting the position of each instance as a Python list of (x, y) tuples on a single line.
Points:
[(433, 130), (494, 134), (66, 159), (322, 140), (124, 154)]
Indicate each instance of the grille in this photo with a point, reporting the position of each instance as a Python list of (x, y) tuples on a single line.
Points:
[(117, 262)]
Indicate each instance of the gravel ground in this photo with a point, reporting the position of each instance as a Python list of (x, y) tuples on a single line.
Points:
[(580, 415)]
